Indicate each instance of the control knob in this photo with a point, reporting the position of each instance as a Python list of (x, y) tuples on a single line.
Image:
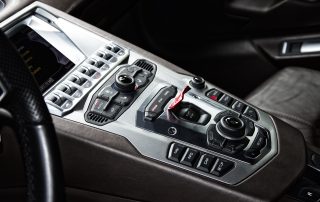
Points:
[(198, 82), (124, 83), (231, 128)]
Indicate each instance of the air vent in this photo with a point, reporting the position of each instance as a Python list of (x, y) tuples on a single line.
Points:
[(97, 119), (144, 64)]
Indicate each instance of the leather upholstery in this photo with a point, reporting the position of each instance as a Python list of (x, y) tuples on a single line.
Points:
[(293, 95)]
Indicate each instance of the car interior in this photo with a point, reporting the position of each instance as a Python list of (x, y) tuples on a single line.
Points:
[(135, 100)]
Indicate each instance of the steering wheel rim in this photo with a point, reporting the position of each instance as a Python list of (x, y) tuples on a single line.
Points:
[(34, 128)]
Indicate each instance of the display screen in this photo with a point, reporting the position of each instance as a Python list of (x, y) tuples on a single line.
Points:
[(44, 61)]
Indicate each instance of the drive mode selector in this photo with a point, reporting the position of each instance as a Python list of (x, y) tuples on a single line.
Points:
[(124, 83), (231, 128)]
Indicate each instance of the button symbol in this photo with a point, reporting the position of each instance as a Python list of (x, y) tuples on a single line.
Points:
[(176, 151), (220, 166), (190, 155), (172, 131), (310, 194), (206, 161)]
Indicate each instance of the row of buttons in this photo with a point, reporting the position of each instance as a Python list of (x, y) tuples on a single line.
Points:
[(109, 102), (201, 161), (77, 84), (228, 101)]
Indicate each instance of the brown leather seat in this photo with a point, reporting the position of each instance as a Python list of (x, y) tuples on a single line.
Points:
[(293, 95)]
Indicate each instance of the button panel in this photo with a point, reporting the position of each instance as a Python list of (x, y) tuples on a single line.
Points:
[(199, 160), (110, 101), (229, 101), (63, 97)]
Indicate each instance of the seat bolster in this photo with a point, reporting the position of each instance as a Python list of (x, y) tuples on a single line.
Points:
[(293, 95)]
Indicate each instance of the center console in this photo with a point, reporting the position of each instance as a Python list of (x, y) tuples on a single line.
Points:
[(175, 119)]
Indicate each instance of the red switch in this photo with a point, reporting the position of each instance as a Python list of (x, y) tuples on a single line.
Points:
[(179, 98)]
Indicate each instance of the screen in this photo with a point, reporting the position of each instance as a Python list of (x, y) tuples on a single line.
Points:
[(44, 61)]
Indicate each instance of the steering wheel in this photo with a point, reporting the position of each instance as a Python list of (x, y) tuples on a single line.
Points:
[(20, 95)]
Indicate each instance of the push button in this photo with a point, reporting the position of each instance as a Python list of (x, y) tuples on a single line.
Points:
[(239, 106), (260, 141), (232, 147), (252, 153), (176, 152), (206, 162), (156, 106), (141, 80), (190, 157), (214, 94), (226, 100), (112, 111), (123, 99), (107, 93), (249, 126), (214, 139), (221, 167), (251, 113), (99, 106), (190, 114)]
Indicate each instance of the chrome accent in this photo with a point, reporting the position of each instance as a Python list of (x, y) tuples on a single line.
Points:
[(284, 48), (311, 46)]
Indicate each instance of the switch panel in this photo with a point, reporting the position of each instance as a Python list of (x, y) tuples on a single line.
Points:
[(82, 79), (118, 93)]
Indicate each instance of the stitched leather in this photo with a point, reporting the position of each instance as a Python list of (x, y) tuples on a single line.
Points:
[(293, 95)]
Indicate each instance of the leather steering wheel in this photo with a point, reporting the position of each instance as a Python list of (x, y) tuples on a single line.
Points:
[(35, 132)]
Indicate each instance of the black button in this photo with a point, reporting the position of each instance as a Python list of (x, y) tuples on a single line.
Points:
[(224, 113), (99, 106), (112, 111), (249, 126), (150, 116), (239, 106), (206, 162), (221, 167), (214, 139), (176, 152), (214, 94), (107, 93), (115, 49), (141, 80), (156, 106), (252, 153), (309, 194), (123, 99), (190, 157), (226, 100), (190, 114), (198, 82), (146, 73), (232, 147), (251, 113), (260, 141)]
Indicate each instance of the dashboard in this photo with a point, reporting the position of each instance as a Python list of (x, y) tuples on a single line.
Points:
[(174, 119)]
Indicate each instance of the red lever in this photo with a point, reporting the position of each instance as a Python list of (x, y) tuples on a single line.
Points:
[(179, 98)]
